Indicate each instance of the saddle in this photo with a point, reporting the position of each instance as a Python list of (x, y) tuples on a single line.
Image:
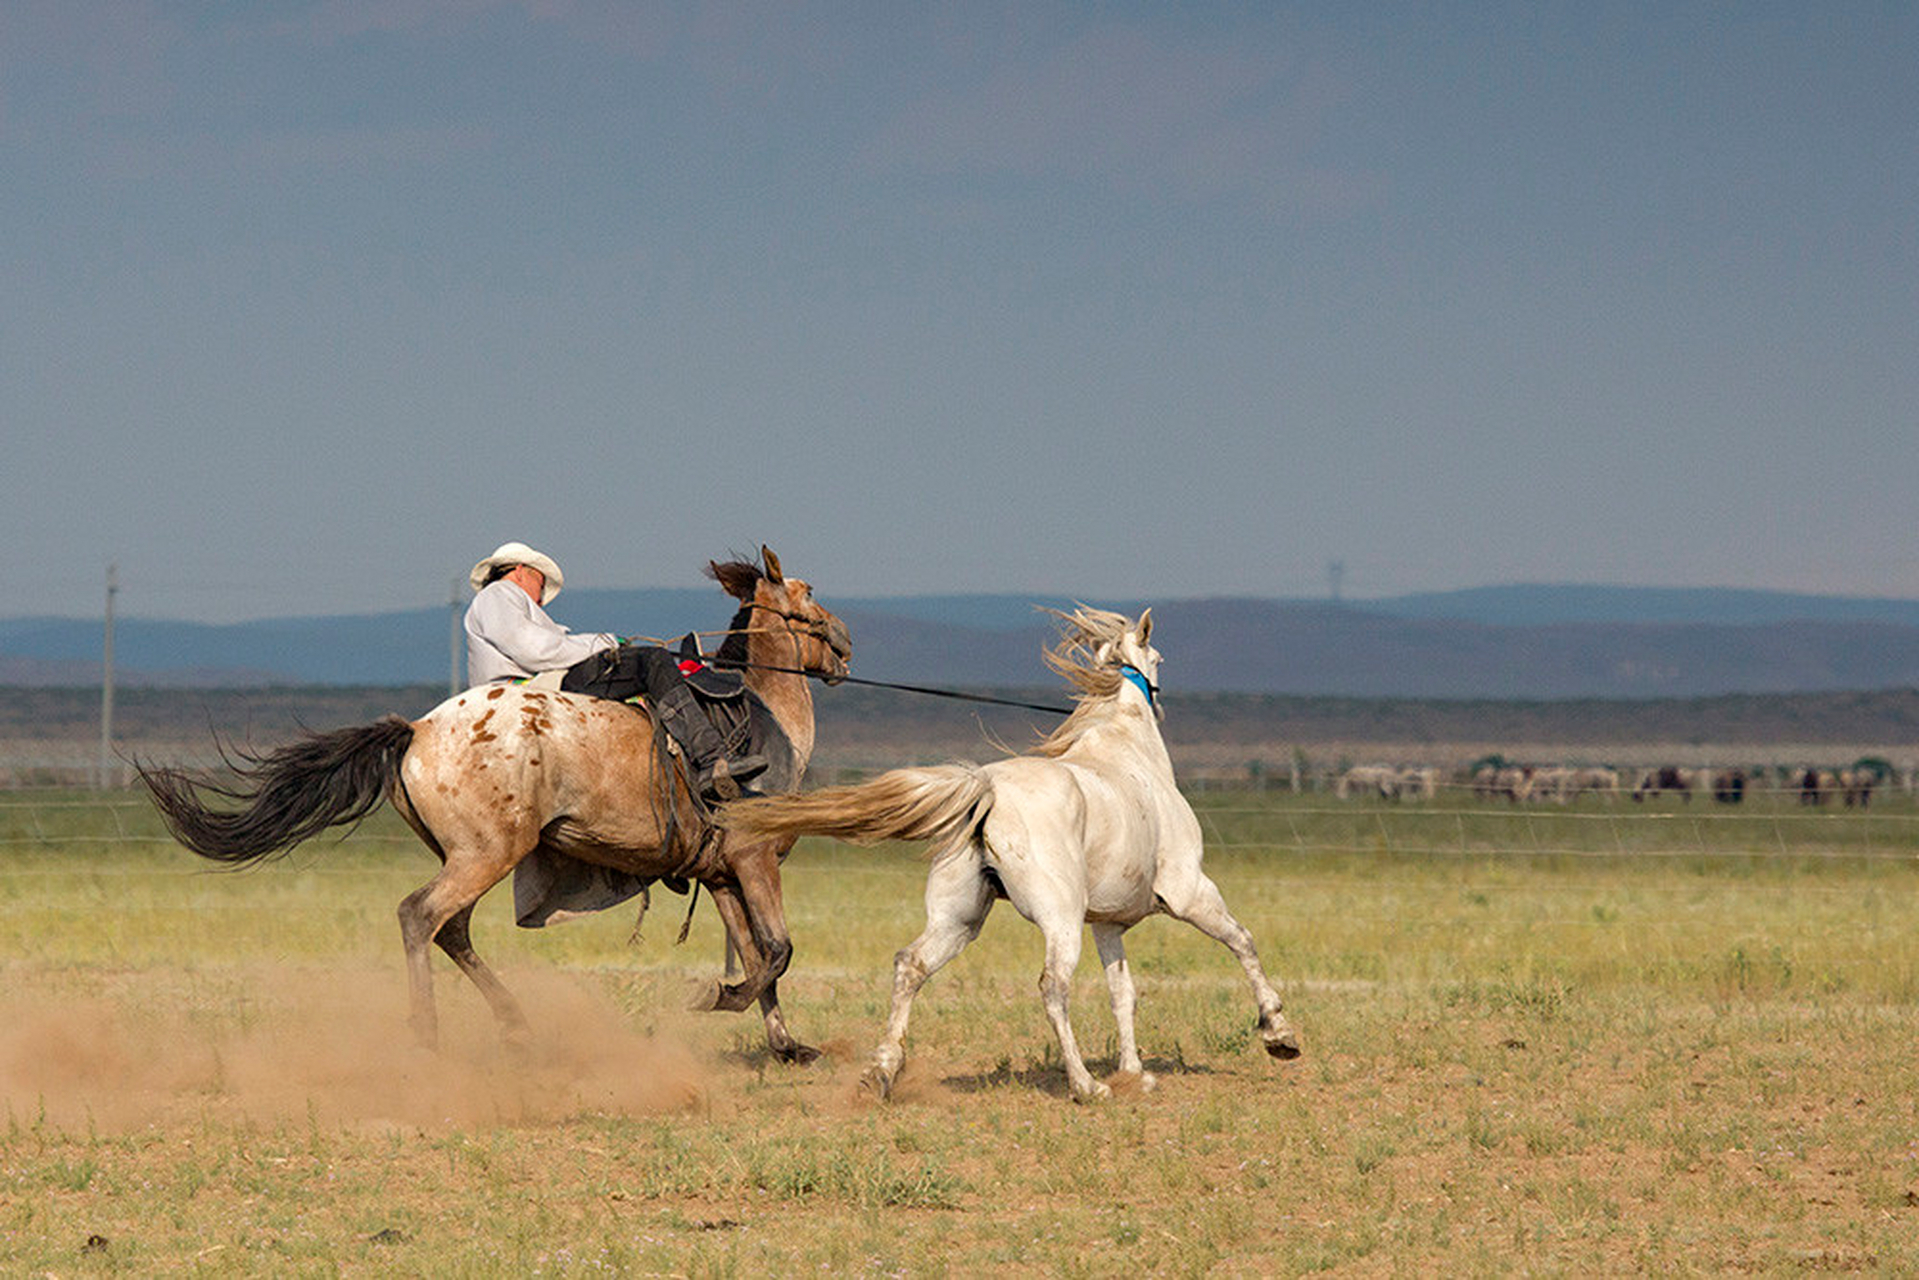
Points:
[(743, 721), (550, 887), (711, 683)]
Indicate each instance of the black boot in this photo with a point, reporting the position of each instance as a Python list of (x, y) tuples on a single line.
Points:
[(715, 775)]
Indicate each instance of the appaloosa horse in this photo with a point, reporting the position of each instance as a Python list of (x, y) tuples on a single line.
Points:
[(570, 785)]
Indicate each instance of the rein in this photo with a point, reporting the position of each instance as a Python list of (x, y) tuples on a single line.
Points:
[(817, 631)]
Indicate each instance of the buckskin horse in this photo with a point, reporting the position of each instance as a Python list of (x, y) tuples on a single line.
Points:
[(1089, 828), (572, 790)]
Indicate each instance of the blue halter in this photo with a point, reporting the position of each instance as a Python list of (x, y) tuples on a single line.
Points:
[(1139, 681)]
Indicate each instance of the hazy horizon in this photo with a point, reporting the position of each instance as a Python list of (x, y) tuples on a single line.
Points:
[(701, 594)]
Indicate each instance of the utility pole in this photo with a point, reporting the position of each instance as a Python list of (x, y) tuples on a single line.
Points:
[(1335, 577), (453, 682), (106, 682)]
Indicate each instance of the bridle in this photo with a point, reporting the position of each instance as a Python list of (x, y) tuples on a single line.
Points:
[(798, 625), (816, 628)]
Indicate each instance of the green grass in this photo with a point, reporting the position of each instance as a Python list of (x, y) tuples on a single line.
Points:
[(1525, 1050)]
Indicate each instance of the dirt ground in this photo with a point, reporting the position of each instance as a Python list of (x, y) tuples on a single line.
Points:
[(310, 1132)]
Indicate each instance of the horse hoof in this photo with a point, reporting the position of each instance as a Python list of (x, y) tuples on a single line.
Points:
[(800, 1055), (705, 999), (1284, 1047), (1095, 1091)]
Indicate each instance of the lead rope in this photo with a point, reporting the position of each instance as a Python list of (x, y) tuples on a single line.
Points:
[(927, 690)]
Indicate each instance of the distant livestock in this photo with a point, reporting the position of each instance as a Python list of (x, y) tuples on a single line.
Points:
[(1545, 784), (1853, 786), (1419, 783), (1548, 782), (1367, 780), (1597, 780), (1384, 782), (1512, 782), (1557, 784), (1663, 779), (1815, 785)]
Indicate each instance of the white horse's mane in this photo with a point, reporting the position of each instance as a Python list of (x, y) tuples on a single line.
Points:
[(1076, 655)]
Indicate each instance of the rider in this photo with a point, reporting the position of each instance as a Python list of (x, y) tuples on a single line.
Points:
[(510, 638)]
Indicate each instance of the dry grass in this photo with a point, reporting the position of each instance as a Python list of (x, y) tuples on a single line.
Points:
[(1692, 1058)]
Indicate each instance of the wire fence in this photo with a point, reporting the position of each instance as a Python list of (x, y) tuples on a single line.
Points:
[(1455, 823), (1453, 831)]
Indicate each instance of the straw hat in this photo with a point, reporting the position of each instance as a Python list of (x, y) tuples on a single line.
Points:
[(509, 554)]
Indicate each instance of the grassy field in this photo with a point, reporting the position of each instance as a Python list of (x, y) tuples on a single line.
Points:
[(1612, 1038)]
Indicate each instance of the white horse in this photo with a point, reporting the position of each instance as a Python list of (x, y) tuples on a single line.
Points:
[(1368, 781), (1087, 829)]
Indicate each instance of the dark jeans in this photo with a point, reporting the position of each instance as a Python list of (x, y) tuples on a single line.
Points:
[(626, 672), (651, 671)]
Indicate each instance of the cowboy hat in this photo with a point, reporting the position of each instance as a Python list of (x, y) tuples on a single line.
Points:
[(508, 554)]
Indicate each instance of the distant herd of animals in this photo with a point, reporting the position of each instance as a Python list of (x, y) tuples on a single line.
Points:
[(1852, 787)]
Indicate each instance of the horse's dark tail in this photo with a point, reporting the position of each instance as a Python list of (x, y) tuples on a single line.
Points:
[(283, 797)]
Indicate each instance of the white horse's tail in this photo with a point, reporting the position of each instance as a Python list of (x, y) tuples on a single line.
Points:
[(943, 803)]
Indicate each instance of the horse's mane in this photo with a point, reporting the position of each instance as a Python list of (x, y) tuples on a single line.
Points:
[(738, 577), (733, 648), (1076, 657)]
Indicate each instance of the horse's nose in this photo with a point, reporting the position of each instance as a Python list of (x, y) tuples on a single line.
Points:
[(841, 643)]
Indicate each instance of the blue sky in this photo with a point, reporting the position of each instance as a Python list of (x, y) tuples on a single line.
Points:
[(307, 306)]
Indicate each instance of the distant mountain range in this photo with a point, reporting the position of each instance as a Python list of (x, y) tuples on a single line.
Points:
[(1529, 642), (1539, 606)]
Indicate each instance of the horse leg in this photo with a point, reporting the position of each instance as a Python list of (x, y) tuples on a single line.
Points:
[(1062, 932), (1204, 909), (958, 897), (780, 1040), (756, 869), (723, 995), (785, 1046), (454, 940), (1111, 941), (423, 913)]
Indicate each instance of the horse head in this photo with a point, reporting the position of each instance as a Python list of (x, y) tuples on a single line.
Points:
[(1133, 648), (821, 643), (1101, 652)]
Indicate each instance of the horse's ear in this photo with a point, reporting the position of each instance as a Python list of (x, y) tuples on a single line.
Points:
[(1145, 627), (1104, 653), (772, 562)]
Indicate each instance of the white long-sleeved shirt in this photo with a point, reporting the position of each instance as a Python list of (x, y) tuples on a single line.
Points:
[(509, 637)]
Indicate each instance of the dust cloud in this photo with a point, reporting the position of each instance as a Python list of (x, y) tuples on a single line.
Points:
[(321, 1049)]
